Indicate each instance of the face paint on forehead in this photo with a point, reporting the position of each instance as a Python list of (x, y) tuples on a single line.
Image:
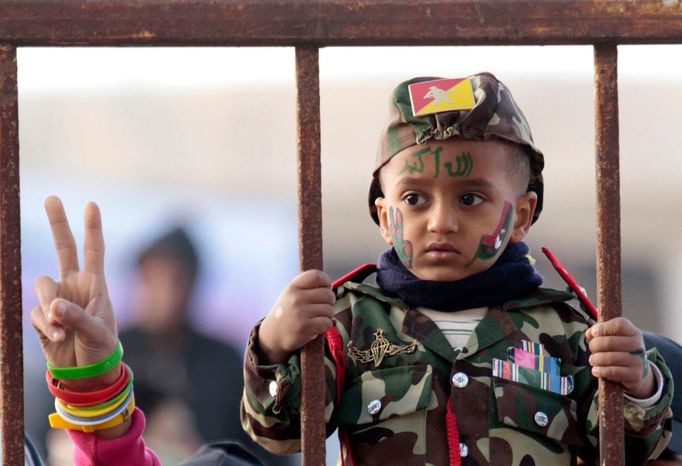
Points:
[(402, 247), (461, 166), (417, 165), (464, 165), (490, 244)]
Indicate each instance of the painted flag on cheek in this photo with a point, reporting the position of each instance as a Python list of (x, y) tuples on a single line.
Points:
[(441, 95)]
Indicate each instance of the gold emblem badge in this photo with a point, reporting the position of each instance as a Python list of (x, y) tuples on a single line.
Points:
[(379, 348)]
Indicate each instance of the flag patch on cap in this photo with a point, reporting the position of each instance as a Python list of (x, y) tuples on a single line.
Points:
[(441, 95)]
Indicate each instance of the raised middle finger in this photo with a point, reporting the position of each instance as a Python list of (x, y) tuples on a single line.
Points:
[(93, 244)]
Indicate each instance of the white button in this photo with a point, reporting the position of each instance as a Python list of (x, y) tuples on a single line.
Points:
[(460, 380), (463, 450), (541, 419), (374, 407), (272, 388)]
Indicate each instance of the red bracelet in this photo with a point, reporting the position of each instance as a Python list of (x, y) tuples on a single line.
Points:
[(88, 398)]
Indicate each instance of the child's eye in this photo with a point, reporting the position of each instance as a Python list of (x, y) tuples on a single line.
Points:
[(470, 199), (413, 199)]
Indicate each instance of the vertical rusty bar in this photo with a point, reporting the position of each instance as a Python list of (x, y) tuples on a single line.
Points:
[(608, 239), (310, 245), (11, 361)]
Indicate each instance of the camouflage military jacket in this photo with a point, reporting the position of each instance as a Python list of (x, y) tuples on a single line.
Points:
[(392, 407)]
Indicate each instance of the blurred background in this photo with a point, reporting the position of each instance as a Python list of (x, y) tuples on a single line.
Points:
[(202, 140)]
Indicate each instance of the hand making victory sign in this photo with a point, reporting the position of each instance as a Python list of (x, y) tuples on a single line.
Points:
[(74, 319)]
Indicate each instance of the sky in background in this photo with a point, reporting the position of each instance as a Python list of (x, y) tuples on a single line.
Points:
[(78, 69)]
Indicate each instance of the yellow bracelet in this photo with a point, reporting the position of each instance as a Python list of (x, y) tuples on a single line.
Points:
[(56, 421), (80, 412)]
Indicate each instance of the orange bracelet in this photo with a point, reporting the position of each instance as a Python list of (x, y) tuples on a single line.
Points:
[(57, 422)]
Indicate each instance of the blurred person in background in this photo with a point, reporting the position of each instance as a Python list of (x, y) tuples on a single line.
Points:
[(188, 383), (92, 385)]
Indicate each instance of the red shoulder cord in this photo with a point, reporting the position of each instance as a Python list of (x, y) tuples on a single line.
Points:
[(335, 344), (572, 283)]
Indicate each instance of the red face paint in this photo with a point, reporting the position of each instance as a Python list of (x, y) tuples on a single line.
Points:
[(490, 244)]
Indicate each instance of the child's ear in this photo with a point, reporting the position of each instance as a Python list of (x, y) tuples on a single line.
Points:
[(525, 208), (382, 213)]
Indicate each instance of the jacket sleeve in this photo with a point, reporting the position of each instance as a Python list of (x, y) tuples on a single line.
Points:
[(270, 406), (92, 450), (647, 431), (651, 428)]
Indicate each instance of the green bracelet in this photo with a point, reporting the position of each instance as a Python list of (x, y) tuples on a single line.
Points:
[(91, 370)]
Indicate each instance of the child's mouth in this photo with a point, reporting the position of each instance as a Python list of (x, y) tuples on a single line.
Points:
[(441, 251)]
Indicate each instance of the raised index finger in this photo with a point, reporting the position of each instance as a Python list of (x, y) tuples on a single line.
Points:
[(62, 236), (93, 244)]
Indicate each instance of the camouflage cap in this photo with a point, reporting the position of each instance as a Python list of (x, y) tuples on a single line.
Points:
[(494, 114)]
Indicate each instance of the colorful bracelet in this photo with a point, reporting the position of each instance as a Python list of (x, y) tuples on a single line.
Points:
[(93, 421), (90, 370), (92, 412), (56, 422), (89, 398), (108, 402)]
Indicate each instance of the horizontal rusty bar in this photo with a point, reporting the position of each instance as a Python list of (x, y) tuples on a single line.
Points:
[(11, 362), (612, 452), (338, 22)]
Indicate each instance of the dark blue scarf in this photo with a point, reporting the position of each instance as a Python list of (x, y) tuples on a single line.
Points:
[(510, 277)]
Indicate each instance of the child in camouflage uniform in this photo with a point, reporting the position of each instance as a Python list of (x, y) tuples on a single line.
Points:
[(452, 353)]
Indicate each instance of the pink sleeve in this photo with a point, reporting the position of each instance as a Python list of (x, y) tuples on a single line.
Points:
[(92, 450)]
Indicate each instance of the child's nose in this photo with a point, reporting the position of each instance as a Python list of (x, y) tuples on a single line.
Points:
[(443, 219)]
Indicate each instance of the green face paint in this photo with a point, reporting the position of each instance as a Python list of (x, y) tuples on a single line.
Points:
[(464, 163), (418, 165), (490, 244), (402, 247)]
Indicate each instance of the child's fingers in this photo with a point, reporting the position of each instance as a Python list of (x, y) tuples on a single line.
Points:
[(301, 299), (319, 325), (63, 238), (616, 344), (311, 279), (619, 326), (616, 358), (321, 296), (93, 244), (613, 373), (627, 376), (50, 332), (318, 310), (74, 317), (46, 289), (298, 299)]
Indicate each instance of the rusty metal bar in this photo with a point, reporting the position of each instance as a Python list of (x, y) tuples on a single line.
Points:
[(11, 349), (310, 246), (608, 239), (338, 22)]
